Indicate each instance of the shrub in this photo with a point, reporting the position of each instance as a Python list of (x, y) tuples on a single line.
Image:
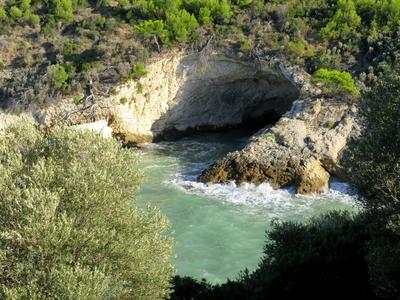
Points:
[(137, 72), (245, 45), (377, 171), (68, 226), (217, 10), (152, 28), (3, 14), (123, 100), (2, 66), (181, 25), (325, 59), (299, 49), (321, 259), (70, 48), (330, 124), (78, 99), (15, 13), (270, 136), (139, 88), (58, 76), (335, 82), (373, 164), (205, 16), (242, 3), (33, 19), (345, 21), (64, 9)]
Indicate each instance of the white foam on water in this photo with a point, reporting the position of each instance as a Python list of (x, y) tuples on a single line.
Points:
[(186, 159), (229, 212), (264, 197)]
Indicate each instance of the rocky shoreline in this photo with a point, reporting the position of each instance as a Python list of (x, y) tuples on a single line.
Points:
[(185, 93), (303, 148)]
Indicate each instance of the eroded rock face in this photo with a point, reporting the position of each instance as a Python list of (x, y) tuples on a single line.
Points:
[(186, 93)]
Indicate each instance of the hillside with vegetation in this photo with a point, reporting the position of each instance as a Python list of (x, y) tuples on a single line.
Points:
[(69, 229), (83, 48)]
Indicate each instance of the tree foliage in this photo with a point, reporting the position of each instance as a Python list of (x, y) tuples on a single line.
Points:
[(59, 76), (322, 259), (345, 21), (68, 227), (335, 82), (177, 20), (373, 162)]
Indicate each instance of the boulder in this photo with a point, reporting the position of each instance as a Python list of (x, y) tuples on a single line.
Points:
[(101, 127)]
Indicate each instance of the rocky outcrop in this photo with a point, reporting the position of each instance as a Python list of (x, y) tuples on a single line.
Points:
[(301, 149)]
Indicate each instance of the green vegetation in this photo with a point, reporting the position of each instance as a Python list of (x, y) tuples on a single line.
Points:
[(330, 124), (139, 88), (298, 50), (123, 100), (270, 136), (137, 72), (335, 82), (322, 259), (177, 21), (345, 22), (59, 76), (245, 45), (78, 99), (377, 177), (68, 226), (65, 235), (377, 174), (100, 43), (154, 28)]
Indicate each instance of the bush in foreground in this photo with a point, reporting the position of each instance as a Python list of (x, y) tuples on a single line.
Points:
[(374, 169), (68, 229), (321, 259)]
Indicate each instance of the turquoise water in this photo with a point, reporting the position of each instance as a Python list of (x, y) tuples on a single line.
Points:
[(220, 229)]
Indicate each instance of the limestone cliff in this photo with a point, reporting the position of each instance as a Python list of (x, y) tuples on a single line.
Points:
[(182, 93)]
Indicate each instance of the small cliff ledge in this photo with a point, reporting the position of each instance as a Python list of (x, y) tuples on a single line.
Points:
[(302, 149)]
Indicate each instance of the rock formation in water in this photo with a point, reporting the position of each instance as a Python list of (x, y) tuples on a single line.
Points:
[(302, 149)]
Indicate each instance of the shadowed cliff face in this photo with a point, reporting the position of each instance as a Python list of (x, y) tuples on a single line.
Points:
[(191, 93), (226, 94)]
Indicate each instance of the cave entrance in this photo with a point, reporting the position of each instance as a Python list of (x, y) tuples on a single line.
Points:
[(226, 94)]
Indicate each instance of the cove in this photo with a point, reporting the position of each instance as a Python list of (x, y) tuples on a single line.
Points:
[(220, 229)]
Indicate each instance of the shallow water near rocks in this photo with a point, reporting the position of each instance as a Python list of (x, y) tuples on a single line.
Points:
[(220, 229)]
